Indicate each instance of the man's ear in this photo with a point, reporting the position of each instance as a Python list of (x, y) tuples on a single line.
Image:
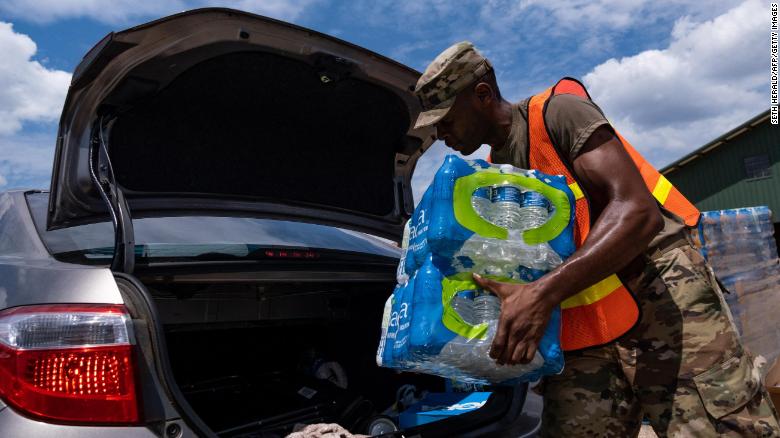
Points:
[(484, 92)]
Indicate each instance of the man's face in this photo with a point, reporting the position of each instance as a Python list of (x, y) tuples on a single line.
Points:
[(462, 128)]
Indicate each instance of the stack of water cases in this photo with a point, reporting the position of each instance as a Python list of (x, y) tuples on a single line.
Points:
[(740, 247), (501, 222)]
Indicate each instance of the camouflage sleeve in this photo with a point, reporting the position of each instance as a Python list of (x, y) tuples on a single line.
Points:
[(571, 120)]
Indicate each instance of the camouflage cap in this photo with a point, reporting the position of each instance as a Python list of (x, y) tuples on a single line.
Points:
[(453, 70)]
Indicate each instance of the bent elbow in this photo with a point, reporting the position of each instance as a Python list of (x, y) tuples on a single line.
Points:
[(646, 222)]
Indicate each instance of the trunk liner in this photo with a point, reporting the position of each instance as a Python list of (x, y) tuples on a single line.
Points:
[(258, 380)]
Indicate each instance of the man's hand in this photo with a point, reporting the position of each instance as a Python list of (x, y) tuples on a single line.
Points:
[(525, 312)]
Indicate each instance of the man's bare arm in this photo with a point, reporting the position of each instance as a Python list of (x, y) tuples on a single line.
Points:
[(626, 226)]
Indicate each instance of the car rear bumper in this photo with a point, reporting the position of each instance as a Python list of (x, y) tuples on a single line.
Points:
[(15, 425)]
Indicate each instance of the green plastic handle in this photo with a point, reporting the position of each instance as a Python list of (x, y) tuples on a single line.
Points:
[(450, 286), (469, 218)]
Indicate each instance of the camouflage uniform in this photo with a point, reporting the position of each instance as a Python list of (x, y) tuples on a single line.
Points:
[(682, 366)]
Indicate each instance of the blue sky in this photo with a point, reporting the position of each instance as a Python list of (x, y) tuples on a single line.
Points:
[(669, 74)]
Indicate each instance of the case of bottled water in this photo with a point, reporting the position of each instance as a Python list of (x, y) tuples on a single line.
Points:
[(740, 247), (504, 223), (502, 237)]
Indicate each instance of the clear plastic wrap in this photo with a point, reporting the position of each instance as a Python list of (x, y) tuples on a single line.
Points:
[(501, 222), (740, 247)]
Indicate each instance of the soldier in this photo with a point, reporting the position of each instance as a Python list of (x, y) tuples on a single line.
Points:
[(646, 331)]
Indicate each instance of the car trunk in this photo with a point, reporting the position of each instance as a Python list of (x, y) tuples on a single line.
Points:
[(221, 113), (244, 354)]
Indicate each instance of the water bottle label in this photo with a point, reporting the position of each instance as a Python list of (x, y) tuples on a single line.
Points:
[(482, 192), (535, 199), (507, 194), (468, 294)]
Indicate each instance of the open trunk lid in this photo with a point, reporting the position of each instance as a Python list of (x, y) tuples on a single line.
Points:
[(215, 111)]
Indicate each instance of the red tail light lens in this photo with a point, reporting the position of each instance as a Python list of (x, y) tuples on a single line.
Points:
[(69, 364)]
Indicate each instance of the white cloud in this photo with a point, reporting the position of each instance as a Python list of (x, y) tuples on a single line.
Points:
[(31, 96), (26, 159), (28, 90), (710, 78), (621, 14), (109, 11), (124, 11)]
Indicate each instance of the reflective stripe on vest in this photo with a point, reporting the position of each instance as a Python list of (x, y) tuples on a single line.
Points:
[(592, 294), (576, 190), (663, 191)]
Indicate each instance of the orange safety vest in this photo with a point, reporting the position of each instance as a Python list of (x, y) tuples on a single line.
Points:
[(605, 311)]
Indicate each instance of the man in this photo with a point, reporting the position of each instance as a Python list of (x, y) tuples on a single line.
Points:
[(654, 340)]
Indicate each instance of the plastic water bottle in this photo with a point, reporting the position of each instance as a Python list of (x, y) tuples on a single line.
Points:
[(400, 274), (535, 210), (487, 307), (463, 304), (534, 214), (480, 200), (507, 204), (507, 209)]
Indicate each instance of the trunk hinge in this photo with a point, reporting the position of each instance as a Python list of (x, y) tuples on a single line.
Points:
[(102, 174)]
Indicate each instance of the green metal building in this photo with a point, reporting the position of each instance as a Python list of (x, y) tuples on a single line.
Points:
[(741, 168)]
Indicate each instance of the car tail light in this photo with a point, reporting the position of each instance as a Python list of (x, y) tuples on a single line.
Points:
[(69, 363)]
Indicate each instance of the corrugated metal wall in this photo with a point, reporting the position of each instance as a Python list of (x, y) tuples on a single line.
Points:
[(718, 180)]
